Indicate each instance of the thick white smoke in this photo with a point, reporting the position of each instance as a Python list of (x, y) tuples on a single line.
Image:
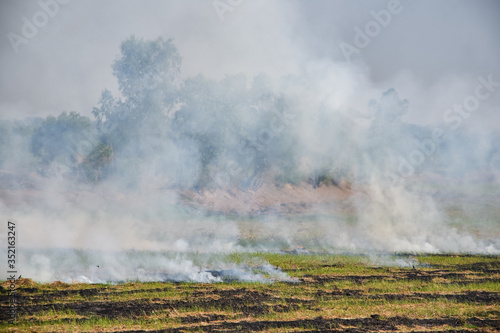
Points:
[(390, 152)]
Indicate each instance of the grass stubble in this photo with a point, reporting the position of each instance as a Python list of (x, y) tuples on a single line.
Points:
[(335, 293)]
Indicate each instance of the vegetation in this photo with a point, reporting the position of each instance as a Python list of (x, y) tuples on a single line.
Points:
[(202, 133), (100, 157), (335, 293)]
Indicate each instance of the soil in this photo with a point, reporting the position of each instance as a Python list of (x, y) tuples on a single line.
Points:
[(270, 198), (263, 196), (251, 304), (320, 324)]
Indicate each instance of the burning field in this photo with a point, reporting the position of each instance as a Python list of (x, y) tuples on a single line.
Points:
[(249, 166), (329, 293)]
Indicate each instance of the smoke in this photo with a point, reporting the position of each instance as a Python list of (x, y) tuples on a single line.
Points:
[(242, 135), (91, 266)]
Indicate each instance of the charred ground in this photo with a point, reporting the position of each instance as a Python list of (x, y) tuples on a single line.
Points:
[(335, 294)]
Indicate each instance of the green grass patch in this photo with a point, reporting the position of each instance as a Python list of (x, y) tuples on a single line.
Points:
[(451, 290)]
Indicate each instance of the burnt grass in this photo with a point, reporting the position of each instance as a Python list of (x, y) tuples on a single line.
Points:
[(209, 308)]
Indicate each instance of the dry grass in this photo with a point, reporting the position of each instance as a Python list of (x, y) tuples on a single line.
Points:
[(335, 293)]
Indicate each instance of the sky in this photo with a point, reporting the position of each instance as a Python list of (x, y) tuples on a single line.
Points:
[(57, 55), (431, 52)]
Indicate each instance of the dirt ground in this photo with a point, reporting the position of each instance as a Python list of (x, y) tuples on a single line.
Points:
[(269, 198), (22, 188), (249, 306)]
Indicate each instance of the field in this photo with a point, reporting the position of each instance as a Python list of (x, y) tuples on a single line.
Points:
[(332, 293)]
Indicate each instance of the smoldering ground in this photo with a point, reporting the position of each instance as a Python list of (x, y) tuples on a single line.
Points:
[(317, 154)]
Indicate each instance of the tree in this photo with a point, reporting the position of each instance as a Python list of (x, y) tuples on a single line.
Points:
[(148, 78), (98, 159), (66, 140)]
